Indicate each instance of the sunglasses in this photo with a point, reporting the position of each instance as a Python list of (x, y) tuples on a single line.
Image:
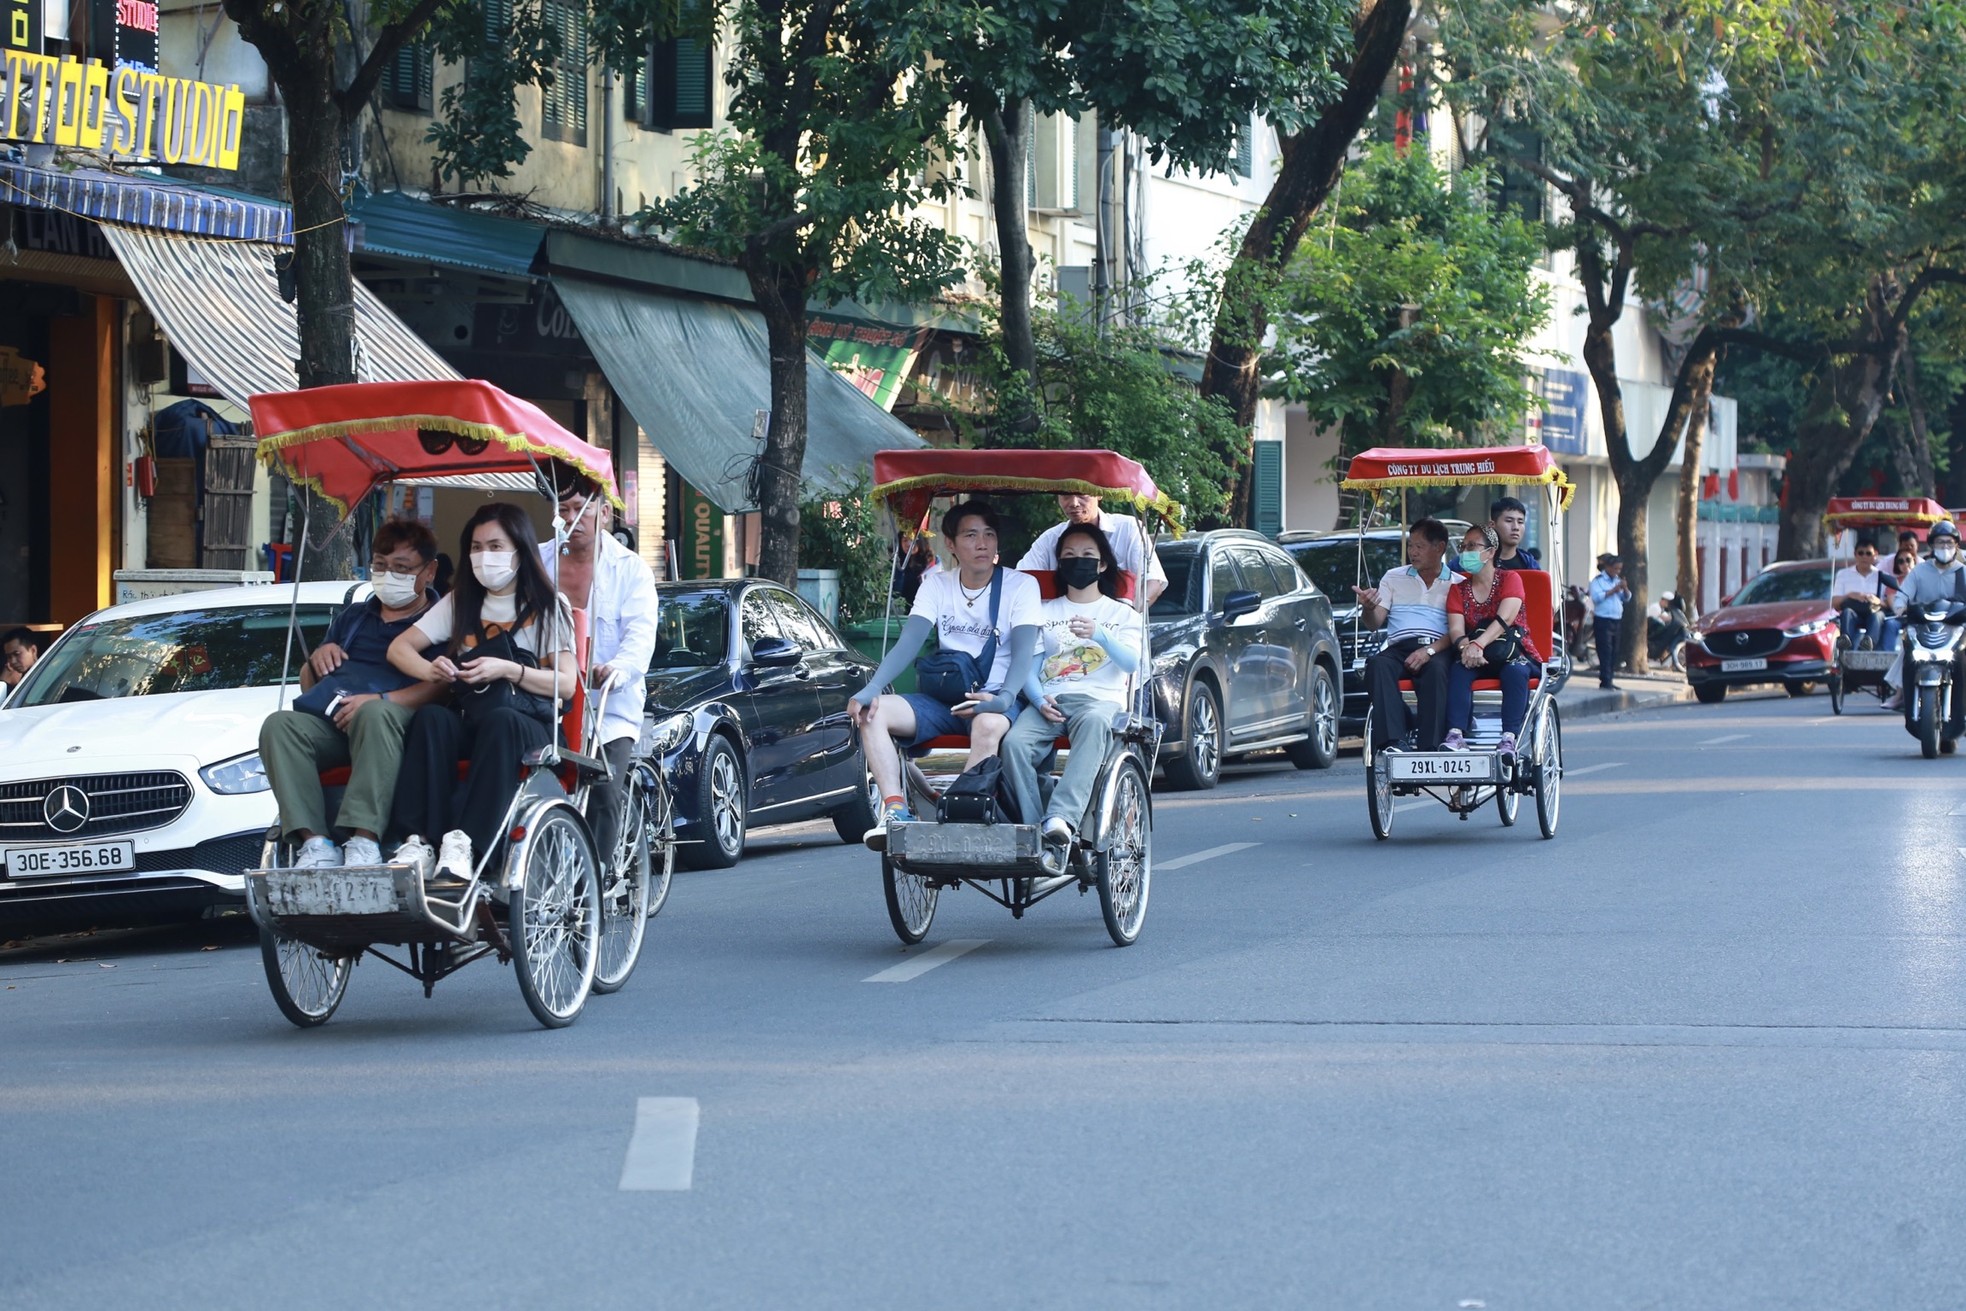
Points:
[(434, 442)]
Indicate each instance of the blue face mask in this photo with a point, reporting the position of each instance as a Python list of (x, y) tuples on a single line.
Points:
[(1471, 562)]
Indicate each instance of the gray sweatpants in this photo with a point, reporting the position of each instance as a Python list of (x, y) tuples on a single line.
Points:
[(1089, 726)]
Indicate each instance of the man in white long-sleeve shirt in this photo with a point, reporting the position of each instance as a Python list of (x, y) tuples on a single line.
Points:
[(616, 588)]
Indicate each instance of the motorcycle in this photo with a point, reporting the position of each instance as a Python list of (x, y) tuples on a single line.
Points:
[(1933, 637), (1577, 628), (1665, 638)]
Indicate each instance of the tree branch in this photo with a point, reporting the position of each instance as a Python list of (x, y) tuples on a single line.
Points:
[(388, 43)]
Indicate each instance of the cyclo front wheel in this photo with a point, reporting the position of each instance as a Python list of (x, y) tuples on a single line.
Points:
[(625, 892), (1126, 866), (1379, 796), (556, 917), (910, 902), (1549, 771), (307, 985)]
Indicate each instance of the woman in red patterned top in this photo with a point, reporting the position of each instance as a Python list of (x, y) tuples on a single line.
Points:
[(1480, 608)]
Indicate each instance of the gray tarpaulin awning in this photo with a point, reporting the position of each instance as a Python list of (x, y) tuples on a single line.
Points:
[(695, 373), (219, 303)]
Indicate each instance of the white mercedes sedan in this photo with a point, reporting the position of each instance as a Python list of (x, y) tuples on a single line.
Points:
[(130, 780)]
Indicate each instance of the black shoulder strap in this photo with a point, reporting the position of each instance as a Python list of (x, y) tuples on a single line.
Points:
[(988, 660)]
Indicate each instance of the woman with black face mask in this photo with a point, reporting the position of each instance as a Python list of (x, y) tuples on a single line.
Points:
[(1090, 643)]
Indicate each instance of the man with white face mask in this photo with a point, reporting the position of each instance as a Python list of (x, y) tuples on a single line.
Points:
[(1937, 579), (353, 709), (616, 588)]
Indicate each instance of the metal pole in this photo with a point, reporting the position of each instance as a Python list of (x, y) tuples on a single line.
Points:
[(293, 610)]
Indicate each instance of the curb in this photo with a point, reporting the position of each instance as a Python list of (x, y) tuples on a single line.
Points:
[(1591, 702)]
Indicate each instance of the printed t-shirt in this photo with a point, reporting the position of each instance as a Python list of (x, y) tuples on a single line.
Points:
[(1476, 615), (1079, 665), (962, 616)]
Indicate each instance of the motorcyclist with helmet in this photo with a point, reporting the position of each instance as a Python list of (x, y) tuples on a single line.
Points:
[(1940, 580)]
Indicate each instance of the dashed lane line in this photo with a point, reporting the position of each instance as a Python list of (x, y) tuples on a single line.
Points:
[(1719, 741), (1196, 858), (916, 966), (1592, 769), (662, 1151)]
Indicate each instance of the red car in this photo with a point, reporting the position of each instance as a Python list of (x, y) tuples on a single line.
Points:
[(1779, 628)]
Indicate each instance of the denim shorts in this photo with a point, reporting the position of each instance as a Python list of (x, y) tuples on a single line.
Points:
[(933, 719)]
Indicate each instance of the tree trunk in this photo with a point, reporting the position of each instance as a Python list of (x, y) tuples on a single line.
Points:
[(1699, 395), (1006, 130), (1843, 407), (781, 296), (1915, 452), (1312, 162)]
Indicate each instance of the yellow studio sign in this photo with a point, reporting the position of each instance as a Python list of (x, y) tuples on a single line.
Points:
[(127, 111)]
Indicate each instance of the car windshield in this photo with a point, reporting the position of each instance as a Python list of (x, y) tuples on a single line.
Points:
[(1183, 594), (692, 629), (1785, 585), (183, 651), (1333, 564)]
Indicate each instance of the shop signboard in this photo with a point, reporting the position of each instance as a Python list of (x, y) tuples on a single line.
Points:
[(23, 26), (1564, 393), (874, 358), (124, 109), (700, 544)]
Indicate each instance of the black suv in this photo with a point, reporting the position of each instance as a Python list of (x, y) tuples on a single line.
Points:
[(1332, 561), (1245, 657)]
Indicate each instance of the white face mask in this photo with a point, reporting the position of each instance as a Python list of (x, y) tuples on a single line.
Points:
[(1944, 554), (395, 590), (495, 569)]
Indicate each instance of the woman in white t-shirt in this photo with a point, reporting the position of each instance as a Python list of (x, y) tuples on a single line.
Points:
[(1089, 643), (508, 647)]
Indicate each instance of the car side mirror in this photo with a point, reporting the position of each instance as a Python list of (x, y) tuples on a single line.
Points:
[(1237, 604), (1727, 599), (775, 652)]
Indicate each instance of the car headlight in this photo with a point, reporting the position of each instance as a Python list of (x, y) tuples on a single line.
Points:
[(236, 776), (665, 734), (1809, 629)]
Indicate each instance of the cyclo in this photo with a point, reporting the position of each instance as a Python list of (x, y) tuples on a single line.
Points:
[(1859, 667), (1005, 861), (1464, 781), (543, 898)]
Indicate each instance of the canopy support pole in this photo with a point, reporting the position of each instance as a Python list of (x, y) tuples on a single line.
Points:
[(293, 609)]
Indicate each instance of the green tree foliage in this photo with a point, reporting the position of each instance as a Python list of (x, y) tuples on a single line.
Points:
[(845, 532), (1403, 317)]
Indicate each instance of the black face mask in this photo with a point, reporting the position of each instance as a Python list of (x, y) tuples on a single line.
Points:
[(1078, 571)]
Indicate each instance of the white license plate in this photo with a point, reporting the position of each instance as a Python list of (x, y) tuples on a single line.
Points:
[(330, 892), (1454, 767), (74, 858), (1743, 666)]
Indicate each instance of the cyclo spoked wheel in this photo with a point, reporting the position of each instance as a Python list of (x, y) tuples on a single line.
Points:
[(1549, 771), (1126, 866), (625, 895), (1507, 800), (1379, 797), (662, 843), (307, 986), (556, 918), (910, 902)]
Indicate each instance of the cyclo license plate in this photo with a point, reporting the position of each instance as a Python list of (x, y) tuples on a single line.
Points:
[(1454, 767), (330, 892), (1743, 666), (75, 858)]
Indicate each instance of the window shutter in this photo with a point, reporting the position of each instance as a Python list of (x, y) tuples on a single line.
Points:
[(1246, 152), (1030, 159), (563, 106), (680, 86), (498, 20), (409, 83), (1266, 488)]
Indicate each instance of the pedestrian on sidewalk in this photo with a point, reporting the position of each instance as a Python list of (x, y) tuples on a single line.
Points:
[(1608, 594)]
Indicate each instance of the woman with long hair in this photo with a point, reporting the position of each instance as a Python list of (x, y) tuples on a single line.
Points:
[(507, 640), (1089, 643)]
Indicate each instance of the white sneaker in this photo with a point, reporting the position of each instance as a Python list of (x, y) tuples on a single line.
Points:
[(317, 853), (454, 855), (361, 851), (415, 853)]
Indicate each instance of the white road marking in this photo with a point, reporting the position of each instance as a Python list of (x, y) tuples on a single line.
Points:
[(916, 966), (1592, 769), (662, 1152), (1226, 849), (1716, 741)]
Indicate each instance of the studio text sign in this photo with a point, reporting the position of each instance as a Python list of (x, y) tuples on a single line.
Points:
[(126, 110)]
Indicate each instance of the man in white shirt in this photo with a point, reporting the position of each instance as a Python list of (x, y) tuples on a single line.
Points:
[(616, 588), (1859, 596), (1123, 531), (1410, 603)]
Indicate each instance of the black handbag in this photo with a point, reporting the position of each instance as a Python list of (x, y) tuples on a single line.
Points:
[(978, 795), (953, 677), (474, 703)]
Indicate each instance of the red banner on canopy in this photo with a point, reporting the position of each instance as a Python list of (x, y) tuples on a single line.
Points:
[(1883, 512), (909, 480), (346, 441), (1391, 466)]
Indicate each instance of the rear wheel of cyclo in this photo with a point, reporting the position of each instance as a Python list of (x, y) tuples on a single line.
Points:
[(307, 986), (910, 902), (1379, 797), (1836, 694), (662, 842), (1549, 771), (1126, 866), (625, 894), (556, 918), (1507, 800)]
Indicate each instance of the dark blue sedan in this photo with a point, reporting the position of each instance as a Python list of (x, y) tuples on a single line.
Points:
[(747, 700)]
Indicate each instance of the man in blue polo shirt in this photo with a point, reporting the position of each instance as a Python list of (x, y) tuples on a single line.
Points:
[(1608, 593), (1410, 603)]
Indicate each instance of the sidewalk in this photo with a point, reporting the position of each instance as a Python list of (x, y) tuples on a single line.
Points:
[(1582, 698)]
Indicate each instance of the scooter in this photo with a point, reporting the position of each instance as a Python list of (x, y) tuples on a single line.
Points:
[(1666, 638), (1933, 637)]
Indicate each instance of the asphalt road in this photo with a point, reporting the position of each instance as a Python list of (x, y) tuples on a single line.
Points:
[(1707, 1048)]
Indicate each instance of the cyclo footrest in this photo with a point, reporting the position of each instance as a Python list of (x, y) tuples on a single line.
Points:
[(967, 850), (343, 905)]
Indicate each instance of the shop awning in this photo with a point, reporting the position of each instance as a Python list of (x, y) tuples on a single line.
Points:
[(144, 201), (396, 226), (695, 374), (219, 303)]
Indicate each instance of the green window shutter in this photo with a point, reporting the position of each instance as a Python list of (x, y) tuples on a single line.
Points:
[(1246, 152), (680, 88), (1266, 488), (563, 106), (409, 83), (1030, 158), (498, 21)]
